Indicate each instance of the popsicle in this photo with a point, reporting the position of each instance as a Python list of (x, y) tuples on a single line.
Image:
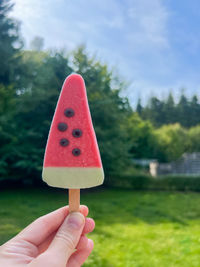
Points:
[(72, 159)]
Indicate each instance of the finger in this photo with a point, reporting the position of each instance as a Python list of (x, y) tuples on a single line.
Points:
[(89, 227), (82, 243), (80, 256), (66, 239), (84, 210), (38, 231)]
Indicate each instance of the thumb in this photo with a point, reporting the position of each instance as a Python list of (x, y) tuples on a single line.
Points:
[(66, 239)]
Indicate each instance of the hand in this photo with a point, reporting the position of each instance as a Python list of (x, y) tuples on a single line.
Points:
[(54, 240)]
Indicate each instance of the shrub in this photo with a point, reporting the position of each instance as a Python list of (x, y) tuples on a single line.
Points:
[(146, 182)]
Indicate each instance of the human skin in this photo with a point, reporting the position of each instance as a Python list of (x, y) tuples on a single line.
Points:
[(55, 240)]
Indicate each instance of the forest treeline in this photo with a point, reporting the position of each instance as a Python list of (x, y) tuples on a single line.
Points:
[(159, 112), (30, 82)]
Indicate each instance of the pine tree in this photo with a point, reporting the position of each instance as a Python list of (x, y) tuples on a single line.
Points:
[(169, 110), (195, 111), (139, 107), (9, 43), (183, 111), (154, 111)]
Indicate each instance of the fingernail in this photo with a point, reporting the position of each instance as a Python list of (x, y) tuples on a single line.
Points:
[(90, 244), (75, 220)]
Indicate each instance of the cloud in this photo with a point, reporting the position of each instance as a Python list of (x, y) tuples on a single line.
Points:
[(116, 22), (149, 20), (140, 23)]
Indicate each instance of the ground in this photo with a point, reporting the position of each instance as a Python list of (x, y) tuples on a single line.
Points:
[(139, 229)]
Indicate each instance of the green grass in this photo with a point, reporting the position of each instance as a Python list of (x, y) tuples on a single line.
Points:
[(132, 228)]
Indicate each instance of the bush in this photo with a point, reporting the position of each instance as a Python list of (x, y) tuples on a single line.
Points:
[(179, 183), (146, 182)]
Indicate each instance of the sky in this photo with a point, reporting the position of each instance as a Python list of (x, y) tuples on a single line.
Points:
[(154, 45)]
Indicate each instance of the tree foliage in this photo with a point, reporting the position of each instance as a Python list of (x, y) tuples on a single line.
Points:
[(193, 143), (141, 136), (9, 44), (171, 142), (161, 112)]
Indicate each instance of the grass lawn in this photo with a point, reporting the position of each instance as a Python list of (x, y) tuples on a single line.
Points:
[(132, 228)]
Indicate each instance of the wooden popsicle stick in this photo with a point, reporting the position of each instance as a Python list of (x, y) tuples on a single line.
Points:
[(74, 200)]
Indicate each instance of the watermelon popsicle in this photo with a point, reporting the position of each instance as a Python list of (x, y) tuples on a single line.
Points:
[(72, 159)]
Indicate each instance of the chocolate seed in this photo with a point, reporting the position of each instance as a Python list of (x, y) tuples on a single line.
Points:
[(64, 142), (62, 126), (69, 112), (77, 133), (76, 152)]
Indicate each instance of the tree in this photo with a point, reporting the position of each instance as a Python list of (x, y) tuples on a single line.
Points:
[(7, 127), (142, 139), (9, 44), (9, 47), (37, 98), (172, 141), (169, 110), (194, 111), (193, 144), (139, 107), (37, 43), (161, 112), (183, 111), (154, 112)]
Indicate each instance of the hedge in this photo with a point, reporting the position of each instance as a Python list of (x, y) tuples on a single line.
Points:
[(146, 182), (140, 181)]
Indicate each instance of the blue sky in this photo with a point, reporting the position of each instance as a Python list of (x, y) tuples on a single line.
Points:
[(152, 44)]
